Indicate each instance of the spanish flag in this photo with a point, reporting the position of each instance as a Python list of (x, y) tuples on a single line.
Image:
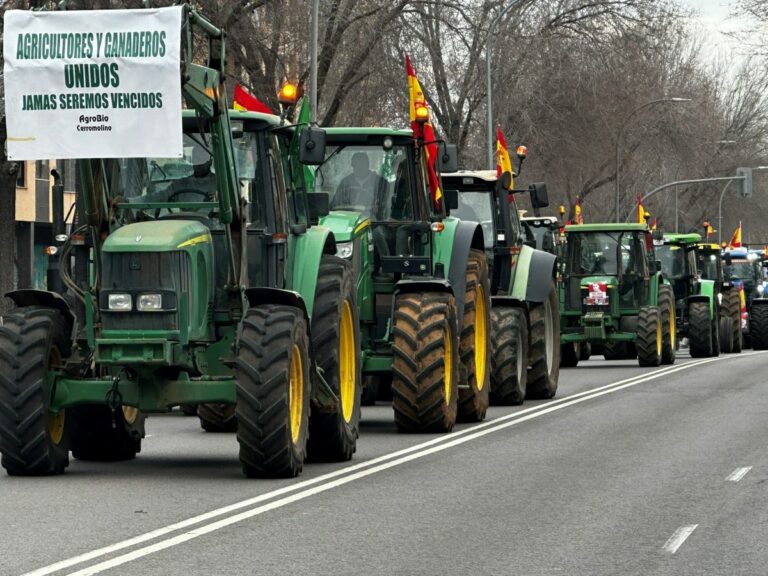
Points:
[(642, 213), (736, 238), (578, 218), (244, 100), (422, 130), (503, 163)]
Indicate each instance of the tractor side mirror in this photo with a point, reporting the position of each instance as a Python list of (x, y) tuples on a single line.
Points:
[(548, 244), (448, 159), (451, 199), (318, 206), (312, 146), (539, 197)]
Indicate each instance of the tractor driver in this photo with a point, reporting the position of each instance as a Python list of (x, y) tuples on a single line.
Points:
[(361, 187)]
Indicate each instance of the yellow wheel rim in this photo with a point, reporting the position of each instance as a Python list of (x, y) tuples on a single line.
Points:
[(672, 326), (56, 421), (481, 338), (347, 359), (56, 426), (448, 363), (296, 392), (130, 414), (658, 337)]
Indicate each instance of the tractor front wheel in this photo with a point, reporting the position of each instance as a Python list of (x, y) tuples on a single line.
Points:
[(700, 330), (544, 353), (474, 347), (570, 354), (732, 309), (668, 324), (217, 417), (509, 361), (100, 433), (426, 362), (726, 334), (649, 341), (33, 440), (758, 325), (336, 347), (273, 388)]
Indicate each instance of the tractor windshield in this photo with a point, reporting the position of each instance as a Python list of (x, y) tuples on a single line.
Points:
[(179, 183), (709, 265), (604, 254), (477, 207), (372, 180), (673, 261), (740, 269)]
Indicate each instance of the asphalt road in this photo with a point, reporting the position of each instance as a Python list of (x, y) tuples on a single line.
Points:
[(627, 471)]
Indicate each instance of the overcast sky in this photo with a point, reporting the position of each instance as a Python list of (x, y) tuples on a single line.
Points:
[(714, 18)]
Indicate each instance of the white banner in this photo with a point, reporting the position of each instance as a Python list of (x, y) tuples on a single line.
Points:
[(93, 83)]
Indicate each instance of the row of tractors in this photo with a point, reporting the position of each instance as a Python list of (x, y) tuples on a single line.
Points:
[(273, 279)]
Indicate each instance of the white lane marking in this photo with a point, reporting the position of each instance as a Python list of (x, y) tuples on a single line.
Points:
[(738, 474), (680, 536), (407, 455)]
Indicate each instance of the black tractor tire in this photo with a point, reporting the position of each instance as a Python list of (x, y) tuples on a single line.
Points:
[(700, 330), (102, 434), (630, 352), (188, 409), (544, 351), (336, 349), (668, 324), (569, 355), (758, 326), (217, 417), (273, 391), (716, 333), (509, 361), (475, 342), (33, 441), (614, 350), (726, 334), (732, 308), (649, 336), (370, 390), (585, 351), (426, 362)]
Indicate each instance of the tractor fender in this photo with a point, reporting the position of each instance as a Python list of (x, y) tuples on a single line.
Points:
[(702, 298), (534, 276), (468, 235), (258, 296), (508, 302), (410, 286), (29, 297), (305, 254)]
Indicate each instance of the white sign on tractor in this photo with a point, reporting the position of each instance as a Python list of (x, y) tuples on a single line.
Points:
[(93, 83)]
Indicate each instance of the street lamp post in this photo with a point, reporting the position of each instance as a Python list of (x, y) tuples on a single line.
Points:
[(617, 216), (489, 97), (313, 59)]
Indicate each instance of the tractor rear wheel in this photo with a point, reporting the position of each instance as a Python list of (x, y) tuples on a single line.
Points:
[(33, 440), (509, 361), (544, 353), (732, 309), (474, 347), (699, 330), (668, 324), (217, 417), (426, 362), (103, 435), (570, 354), (649, 342), (336, 348), (726, 334), (585, 351), (614, 350), (273, 389), (758, 326), (716, 333)]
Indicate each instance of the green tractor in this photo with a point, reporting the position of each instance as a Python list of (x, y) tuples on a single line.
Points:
[(612, 294), (524, 321), (421, 275), (708, 310), (197, 280)]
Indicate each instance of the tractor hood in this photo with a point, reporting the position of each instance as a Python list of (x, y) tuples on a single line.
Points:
[(344, 224), (158, 236)]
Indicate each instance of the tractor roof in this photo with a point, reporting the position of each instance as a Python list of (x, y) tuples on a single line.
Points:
[(270, 119), (606, 227), (485, 175), (540, 220), (367, 131), (691, 238)]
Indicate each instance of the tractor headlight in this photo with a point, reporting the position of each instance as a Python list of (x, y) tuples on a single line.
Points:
[(719, 297), (761, 288), (150, 302), (120, 302), (345, 249)]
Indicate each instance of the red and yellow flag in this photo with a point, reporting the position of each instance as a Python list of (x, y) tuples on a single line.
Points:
[(578, 218), (422, 130), (736, 238), (244, 100), (642, 213), (503, 163)]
